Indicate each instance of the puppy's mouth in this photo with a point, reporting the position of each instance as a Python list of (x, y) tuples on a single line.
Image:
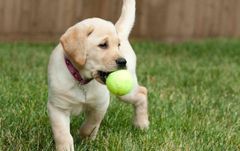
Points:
[(101, 76)]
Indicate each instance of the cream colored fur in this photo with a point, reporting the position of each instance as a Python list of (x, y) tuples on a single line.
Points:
[(67, 97)]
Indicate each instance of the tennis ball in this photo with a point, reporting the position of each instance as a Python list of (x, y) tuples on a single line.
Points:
[(119, 82)]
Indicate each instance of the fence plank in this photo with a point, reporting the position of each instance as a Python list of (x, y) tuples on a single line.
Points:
[(2, 4), (237, 25), (187, 19), (8, 11), (173, 19), (25, 17)]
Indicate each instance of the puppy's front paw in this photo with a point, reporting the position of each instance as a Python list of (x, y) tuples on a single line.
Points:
[(65, 147), (141, 122), (89, 131), (64, 143)]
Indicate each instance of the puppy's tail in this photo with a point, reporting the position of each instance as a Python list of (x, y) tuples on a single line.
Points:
[(126, 21)]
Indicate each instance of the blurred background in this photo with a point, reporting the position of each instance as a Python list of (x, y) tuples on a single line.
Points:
[(164, 20)]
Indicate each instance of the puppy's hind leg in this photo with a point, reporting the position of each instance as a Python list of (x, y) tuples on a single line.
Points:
[(138, 98)]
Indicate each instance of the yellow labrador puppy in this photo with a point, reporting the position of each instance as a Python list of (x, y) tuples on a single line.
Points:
[(78, 67)]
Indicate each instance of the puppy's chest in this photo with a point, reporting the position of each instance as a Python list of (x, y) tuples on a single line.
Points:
[(81, 94), (75, 96), (78, 94)]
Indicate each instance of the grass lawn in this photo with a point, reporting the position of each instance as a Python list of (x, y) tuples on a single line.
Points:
[(194, 99)]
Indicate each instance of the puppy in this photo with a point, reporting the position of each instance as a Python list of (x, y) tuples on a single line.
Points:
[(77, 71)]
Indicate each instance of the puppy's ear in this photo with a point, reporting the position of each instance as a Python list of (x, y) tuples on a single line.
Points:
[(74, 41)]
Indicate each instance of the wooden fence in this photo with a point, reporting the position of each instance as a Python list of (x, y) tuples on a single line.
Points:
[(171, 20)]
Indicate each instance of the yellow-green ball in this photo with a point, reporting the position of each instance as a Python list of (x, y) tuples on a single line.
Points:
[(119, 82)]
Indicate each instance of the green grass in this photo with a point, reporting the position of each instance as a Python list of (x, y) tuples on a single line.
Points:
[(194, 99)]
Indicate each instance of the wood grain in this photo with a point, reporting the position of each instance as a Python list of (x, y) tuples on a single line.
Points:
[(167, 20)]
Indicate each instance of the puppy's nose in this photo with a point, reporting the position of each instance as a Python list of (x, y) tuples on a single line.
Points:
[(121, 62)]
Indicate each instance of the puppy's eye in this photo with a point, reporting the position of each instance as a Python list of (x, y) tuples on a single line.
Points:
[(119, 45), (103, 45)]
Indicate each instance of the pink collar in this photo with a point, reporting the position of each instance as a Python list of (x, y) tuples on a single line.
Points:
[(75, 72)]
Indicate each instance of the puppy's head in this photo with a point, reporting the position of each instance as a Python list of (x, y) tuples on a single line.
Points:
[(93, 47)]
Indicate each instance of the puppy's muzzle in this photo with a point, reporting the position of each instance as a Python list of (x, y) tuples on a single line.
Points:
[(121, 63), (101, 76)]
